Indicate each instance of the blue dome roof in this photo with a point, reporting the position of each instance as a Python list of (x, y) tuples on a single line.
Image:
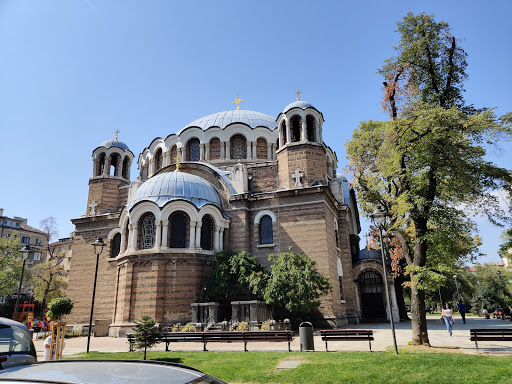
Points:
[(298, 104), (223, 119), (114, 143), (169, 186)]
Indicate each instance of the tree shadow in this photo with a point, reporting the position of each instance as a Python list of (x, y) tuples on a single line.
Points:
[(176, 360)]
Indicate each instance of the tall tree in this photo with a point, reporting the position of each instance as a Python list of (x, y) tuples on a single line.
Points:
[(427, 163), (48, 276), (10, 264)]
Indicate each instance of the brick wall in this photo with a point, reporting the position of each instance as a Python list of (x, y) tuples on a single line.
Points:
[(264, 178), (109, 195), (309, 159), (261, 149), (214, 149)]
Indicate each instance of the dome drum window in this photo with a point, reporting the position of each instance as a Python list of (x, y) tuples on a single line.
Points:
[(207, 227), (179, 225), (238, 145), (158, 160), (193, 150), (147, 231)]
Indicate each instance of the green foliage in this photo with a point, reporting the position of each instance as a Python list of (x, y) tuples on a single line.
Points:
[(48, 282), (230, 275), (293, 283), (492, 289), (189, 327), (505, 250), (145, 333), (10, 265), (265, 326), (59, 307)]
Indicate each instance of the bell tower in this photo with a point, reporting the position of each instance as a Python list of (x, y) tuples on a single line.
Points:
[(108, 186), (301, 155)]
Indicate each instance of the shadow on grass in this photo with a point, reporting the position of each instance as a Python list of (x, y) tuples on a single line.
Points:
[(176, 360)]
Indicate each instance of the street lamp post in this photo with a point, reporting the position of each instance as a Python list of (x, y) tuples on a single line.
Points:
[(25, 252), (457, 286), (379, 217), (98, 248)]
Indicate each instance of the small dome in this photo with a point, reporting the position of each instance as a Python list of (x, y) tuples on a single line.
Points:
[(168, 186), (225, 118), (298, 104), (115, 143)]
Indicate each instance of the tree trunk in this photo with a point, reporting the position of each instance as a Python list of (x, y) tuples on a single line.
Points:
[(419, 316), (399, 292)]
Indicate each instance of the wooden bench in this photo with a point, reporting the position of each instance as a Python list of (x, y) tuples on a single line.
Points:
[(214, 336), (247, 336), (347, 335), (490, 334)]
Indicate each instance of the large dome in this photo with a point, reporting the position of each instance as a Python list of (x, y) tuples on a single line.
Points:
[(225, 118), (168, 186), (114, 143)]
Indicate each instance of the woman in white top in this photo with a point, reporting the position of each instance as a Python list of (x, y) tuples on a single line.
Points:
[(449, 320)]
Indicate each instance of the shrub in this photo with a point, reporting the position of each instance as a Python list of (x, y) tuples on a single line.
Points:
[(242, 326)]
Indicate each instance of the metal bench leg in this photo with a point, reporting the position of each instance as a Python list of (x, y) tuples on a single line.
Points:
[(476, 346), (167, 346), (326, 346), (289, 347), (245, 346), (204, 346), (369, 342)]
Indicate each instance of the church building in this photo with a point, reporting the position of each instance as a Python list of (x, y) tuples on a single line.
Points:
[(235, 180)]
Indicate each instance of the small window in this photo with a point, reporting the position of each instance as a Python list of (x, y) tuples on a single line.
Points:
[(70, 248), (266, 230), (25, 240), (116, 245), (37, 256)]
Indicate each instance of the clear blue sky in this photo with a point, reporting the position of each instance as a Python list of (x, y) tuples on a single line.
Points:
[(74, 71)]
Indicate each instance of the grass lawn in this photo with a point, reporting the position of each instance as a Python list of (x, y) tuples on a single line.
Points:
[(339, 367)]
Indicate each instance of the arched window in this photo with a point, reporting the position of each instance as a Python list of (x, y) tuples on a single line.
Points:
[(266, 230), (310, 128), (100, 165), (207, 233), (174, 153), (193, 151), (238, 147), (114, 164), (178, 230), (126, 168), (158, 159), (261, 148), (283, 134), (147, 231), (214, 149), (116, 245), (295, 123)]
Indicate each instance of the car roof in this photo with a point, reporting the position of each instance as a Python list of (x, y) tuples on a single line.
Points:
[(105, 371), (12, 323)]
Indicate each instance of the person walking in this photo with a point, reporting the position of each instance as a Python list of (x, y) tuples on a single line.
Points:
[(462, 311), (448, 318)]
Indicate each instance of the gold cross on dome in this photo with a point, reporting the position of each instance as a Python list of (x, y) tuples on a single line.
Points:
[(298, 94), (116, 132), (177, 160), (238, 101)]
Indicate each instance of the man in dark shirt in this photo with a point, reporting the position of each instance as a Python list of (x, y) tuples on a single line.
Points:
[(462, 310)]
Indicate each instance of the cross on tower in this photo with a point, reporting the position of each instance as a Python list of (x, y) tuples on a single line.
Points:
[(298, 94), (93, 206), (237, 102), (177, 159), (297, 176), (116, 132)]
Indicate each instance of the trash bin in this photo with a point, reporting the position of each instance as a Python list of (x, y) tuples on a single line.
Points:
[(306, 336)]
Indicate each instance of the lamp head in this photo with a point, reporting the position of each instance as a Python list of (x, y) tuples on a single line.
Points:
[(25, 251), (379, 216), (98, 246)]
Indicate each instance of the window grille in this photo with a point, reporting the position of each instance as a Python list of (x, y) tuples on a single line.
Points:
[(266, 230), (148, 232)]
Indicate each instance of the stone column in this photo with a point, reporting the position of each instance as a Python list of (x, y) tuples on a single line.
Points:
[(201, 152), (158, 239), (133, 237), (269, 151), (288, 137), (304, 133), (228, 152), (216, 239), (317, 132), (199, 224), (124, 234), (165, 230), (222, 151), (106, 167), (192, 242), (221, 239), (207, 150), (249, 150)]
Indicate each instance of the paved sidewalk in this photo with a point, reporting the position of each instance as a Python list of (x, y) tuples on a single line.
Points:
[(437, 332)]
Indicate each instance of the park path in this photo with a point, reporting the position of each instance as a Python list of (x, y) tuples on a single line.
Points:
[(438, 335)]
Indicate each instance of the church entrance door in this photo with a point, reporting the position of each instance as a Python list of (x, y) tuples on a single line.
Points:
[(372, 296)]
